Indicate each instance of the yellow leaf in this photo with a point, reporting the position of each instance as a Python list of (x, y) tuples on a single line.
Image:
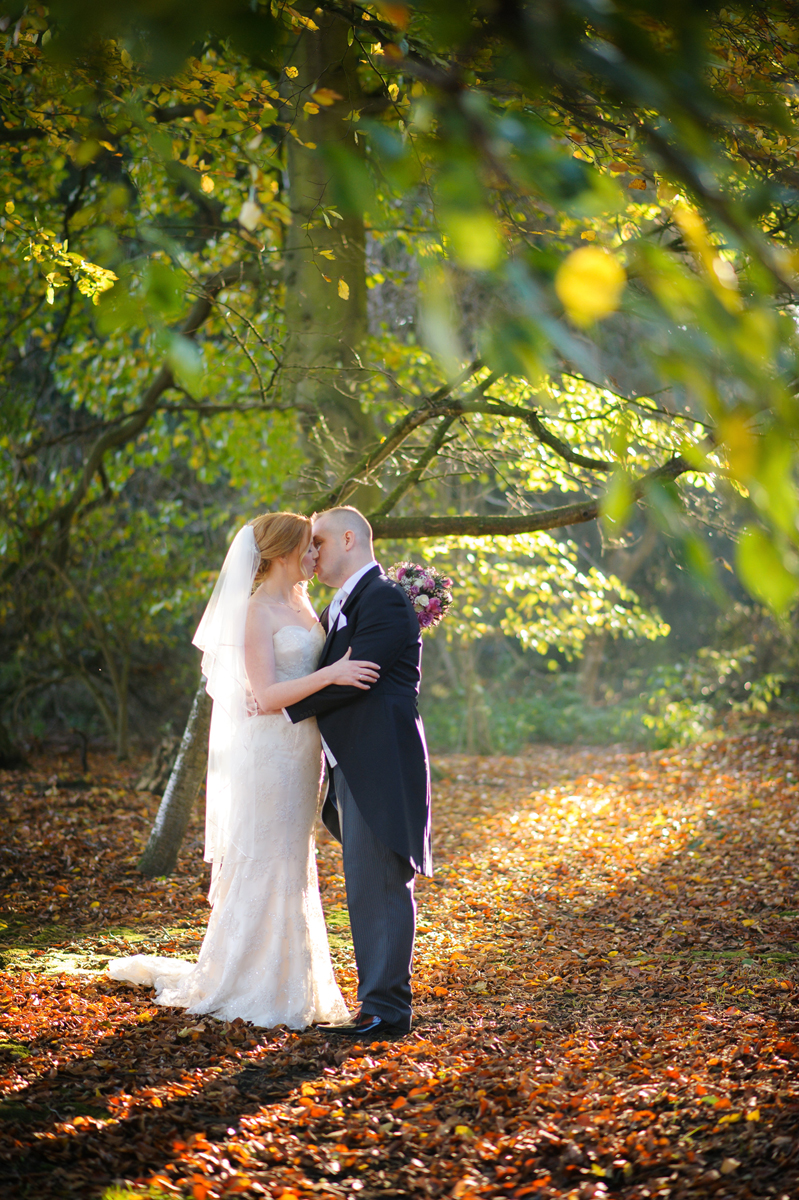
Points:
[(393, 91), (207, 184), (292, 72), (310, 108), (637, 185), (327, 254), (667, 193), (325, 96), (589, 284), (754, 1115), (9, 206), (343, 289), (397, 14), (738, 437)]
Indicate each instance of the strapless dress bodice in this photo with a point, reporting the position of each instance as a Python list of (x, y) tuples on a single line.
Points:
[(297, 651)]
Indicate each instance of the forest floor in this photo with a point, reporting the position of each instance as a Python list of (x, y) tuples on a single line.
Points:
[(606, 978)]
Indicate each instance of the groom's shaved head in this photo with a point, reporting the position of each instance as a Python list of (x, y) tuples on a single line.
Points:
[(345, 517), (343, 540)]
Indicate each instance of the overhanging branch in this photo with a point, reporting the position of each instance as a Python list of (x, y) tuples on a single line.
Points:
[(423, 526), (498, 408), (443, 404), (428, 410)]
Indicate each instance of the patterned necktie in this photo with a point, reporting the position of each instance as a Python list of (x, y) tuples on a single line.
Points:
[(335, 609)]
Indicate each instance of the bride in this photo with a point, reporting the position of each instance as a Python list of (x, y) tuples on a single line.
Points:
[(265, 956)]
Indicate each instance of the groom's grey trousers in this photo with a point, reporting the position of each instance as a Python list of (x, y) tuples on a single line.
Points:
[(382, 913)]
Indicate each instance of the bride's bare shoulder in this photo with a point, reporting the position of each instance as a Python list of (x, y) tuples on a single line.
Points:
[(262, 613)]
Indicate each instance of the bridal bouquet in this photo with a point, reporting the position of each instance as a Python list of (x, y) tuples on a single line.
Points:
[(428, 592)]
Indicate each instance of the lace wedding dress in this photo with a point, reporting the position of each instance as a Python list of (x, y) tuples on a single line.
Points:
[(265, 955)]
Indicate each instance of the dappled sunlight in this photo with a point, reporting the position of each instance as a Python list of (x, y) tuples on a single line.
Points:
[(605, 985)]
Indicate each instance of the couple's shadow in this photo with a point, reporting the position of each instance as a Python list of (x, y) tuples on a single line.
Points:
[(118, 1113)]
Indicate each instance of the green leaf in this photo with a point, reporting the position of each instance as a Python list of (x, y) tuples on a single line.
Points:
[(164, 288), (764, 572), (185, 361), (618, 500), (474, 238)]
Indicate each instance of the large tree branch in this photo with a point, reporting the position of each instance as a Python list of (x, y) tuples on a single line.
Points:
[(22, 133), (377, 454), (441, 404), (423, 526), (498, 408), (413, 476)]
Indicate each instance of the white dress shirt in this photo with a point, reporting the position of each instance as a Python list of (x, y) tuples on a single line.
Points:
[(337, 620)]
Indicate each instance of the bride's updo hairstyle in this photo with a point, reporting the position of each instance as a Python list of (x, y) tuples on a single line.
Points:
[(278, 534)]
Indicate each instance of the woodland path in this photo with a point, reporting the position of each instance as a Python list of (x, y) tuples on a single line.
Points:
[(606, 977)]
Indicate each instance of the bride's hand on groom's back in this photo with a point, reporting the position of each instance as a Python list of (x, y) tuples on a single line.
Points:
[(353, 672)]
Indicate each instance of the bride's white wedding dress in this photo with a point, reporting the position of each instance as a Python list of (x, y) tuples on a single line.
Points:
[(265, 955)]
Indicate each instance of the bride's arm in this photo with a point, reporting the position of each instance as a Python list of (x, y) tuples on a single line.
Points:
[(259, 661)]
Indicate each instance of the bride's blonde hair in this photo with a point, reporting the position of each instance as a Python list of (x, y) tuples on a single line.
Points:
[(278, 534)]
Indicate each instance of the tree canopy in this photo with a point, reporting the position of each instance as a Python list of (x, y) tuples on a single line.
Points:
[(481, 269)]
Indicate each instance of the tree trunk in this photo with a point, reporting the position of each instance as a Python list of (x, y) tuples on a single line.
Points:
[(476, 727), (326, 325), (325, 254), (11, 756), (122, 709), (623, 563), (161, 852)]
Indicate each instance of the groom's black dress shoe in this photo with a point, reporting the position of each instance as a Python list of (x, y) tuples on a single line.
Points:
[(365, 1025)]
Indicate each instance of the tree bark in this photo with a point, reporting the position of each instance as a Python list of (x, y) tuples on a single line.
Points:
[(11, 756), (325, 254), (477, 525), (161, 852), (623, 563)]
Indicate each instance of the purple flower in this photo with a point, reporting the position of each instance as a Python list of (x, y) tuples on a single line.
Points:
[(434, 607), (413, 591), (401, 573)]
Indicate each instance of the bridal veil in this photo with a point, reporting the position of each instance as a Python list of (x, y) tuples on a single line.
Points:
[(220, 635)]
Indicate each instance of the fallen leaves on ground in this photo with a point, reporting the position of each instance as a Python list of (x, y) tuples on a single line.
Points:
[(606, 985)]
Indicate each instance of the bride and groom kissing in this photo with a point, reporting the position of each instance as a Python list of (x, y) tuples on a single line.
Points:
[(288, 688)]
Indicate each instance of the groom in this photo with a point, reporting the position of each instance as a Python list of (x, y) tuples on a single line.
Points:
[(378, 804)]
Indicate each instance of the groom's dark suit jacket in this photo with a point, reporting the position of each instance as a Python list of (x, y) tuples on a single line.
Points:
[(377, 736)]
